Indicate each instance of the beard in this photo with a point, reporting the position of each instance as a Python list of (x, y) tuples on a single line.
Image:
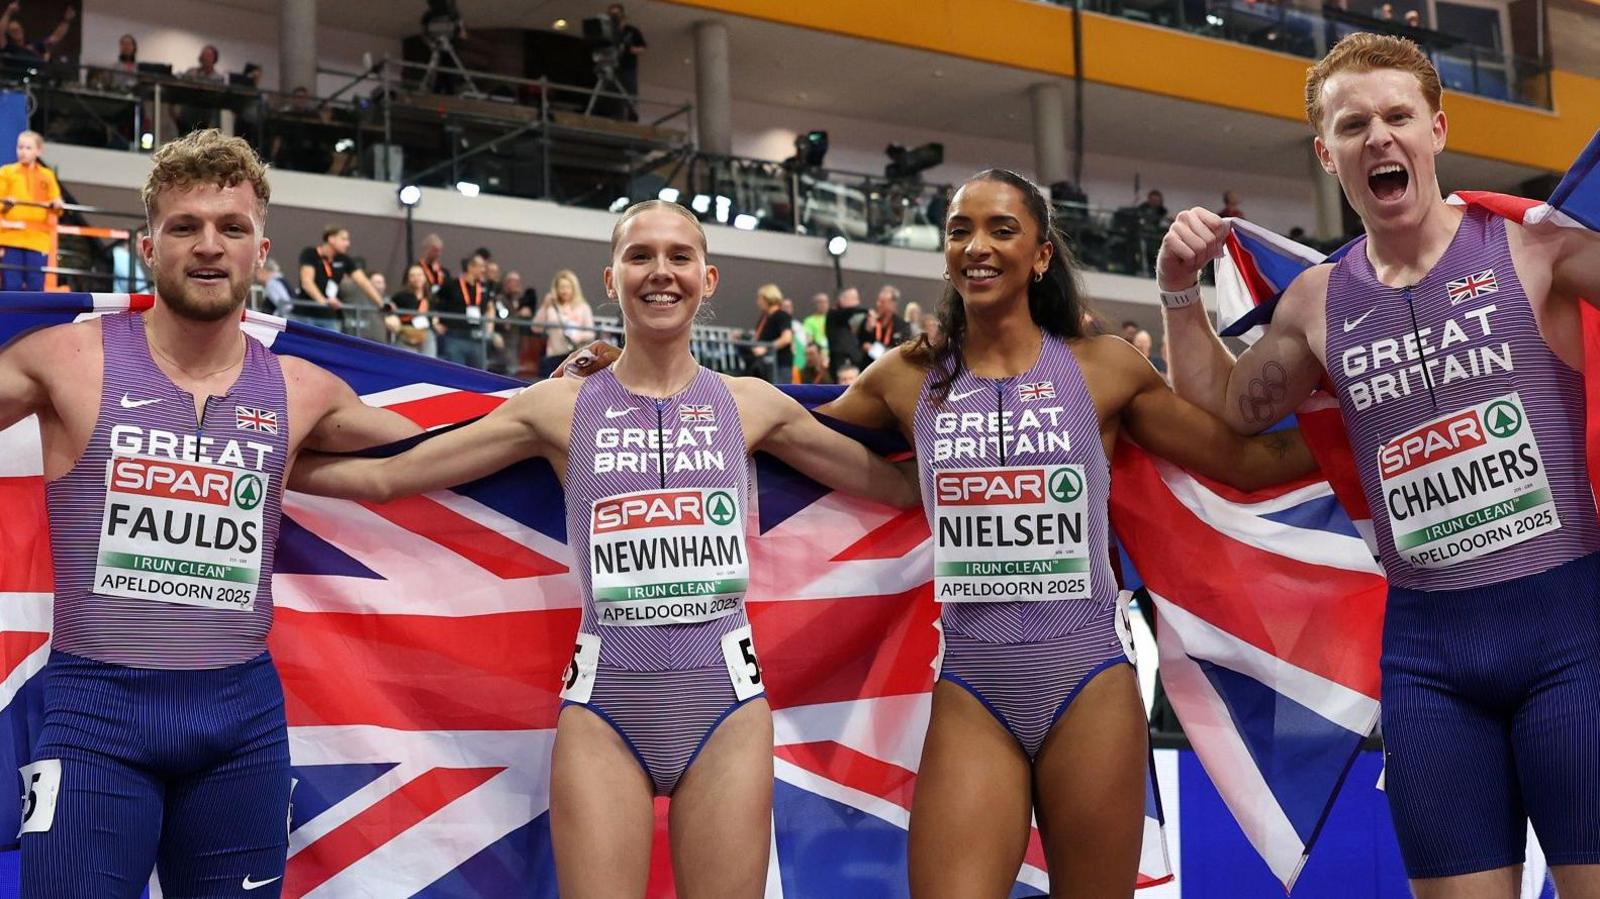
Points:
[(183, 300)]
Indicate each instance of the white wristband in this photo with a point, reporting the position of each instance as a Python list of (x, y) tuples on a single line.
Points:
[(1181, 298)]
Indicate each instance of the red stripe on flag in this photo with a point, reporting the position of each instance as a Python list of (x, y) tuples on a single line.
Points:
[(486, 548), (1260, 288), (890, 540), (378, 824), (139, 302), (420, 672), (661, 884), (447, 408), (1322, 619), (856, 770), (857, 647), (24, 538)]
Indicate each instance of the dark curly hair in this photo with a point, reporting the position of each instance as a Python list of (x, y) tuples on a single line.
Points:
[(1055, 302)]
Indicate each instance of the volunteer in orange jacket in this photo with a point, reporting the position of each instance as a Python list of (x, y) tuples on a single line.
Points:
[(25, 249)]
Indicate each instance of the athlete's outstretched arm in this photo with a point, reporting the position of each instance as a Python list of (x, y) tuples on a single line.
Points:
[(1179, 431), (871, 400), (520, 428), (342, 422), (1271, 378), (776, 423)]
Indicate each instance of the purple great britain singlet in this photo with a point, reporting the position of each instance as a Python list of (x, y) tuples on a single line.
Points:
[(1467, 430)]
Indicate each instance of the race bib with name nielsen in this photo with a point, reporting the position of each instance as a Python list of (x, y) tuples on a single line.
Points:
[(1466, 485), (1010, 534), (181, 532), (668, 556)]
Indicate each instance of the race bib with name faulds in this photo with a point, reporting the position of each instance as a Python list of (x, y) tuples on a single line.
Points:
[(181, 532), (1010, 534), (1466, 485), (668, 556)]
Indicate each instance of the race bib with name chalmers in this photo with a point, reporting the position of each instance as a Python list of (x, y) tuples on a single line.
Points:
[(181, 532), (1466, 485), (1010, 534), (668, 556)]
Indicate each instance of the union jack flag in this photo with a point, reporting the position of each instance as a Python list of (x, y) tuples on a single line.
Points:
[(248, 419), (1473, 286), (1037, 390), (421, 644), (690, 413)]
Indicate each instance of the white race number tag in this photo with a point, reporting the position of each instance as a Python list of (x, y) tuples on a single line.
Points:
[(1010, 534), (668, 556), (181, 532), (739, 650), (577, 682), (474, 314), (1466, 484), (41, 787)]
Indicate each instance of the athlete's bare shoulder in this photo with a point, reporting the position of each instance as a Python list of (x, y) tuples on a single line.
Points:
[(1306, 298), (59, 350)]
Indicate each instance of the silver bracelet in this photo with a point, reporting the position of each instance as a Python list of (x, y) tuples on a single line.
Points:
[(1182, 298)]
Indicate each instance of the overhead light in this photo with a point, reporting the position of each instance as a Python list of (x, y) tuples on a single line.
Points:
[(147, 141), (837, 245), (724, 209), (700, 204), (410, 195), (344, 145), (1214, 21), (467, 188), (668, 194), (619, 204), (744, 221), (559, 24)]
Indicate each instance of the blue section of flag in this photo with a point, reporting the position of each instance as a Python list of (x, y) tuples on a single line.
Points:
[(320, 787), (1578, 194), (378, 367), (523, 857), (813, 833), (1301, 755), (302, 552), (1320, 514)]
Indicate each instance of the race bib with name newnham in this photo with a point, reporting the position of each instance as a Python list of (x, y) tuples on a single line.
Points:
[(1010, 534), (668, 556), (181, 532), (1466, 484)]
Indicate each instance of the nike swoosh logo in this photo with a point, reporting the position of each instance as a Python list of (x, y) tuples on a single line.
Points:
[(128, 403), (618, 413), (958, 397), (1352, 325), (258, 884)]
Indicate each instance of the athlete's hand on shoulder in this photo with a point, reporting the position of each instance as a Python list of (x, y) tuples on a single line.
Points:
[(1196, 237), (586, 361)]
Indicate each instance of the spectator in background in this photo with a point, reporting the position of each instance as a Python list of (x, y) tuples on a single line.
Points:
[(248, 120), (913, 317), (1143, 343), (932, 328), (629, 46), (1413, 18), (774, 329), (27, 181), (840, 328), (568, 319), (411, 302), (18, 52), (1129, 329), (491, 277), (461, 318), (815, 370), (1384, 12), (323, 270), (801, 339), (188, 118), (380, 283), (883, 328), (432, 268), (1230, 206), (847, 375), (816, 324), (205, 68), (1154, 208), (124, 72), (278, 299)]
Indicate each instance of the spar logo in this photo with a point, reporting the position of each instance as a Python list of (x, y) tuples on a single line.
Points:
[(661, 509), (990, 487), (176, 480), (247, 492), (1066, 485), (1444, 438), (721, 509), (1502, 419)]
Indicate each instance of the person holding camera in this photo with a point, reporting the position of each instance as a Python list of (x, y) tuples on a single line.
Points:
[(629, 43)]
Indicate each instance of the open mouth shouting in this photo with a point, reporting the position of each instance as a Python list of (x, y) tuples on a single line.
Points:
[(1388, 181)]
